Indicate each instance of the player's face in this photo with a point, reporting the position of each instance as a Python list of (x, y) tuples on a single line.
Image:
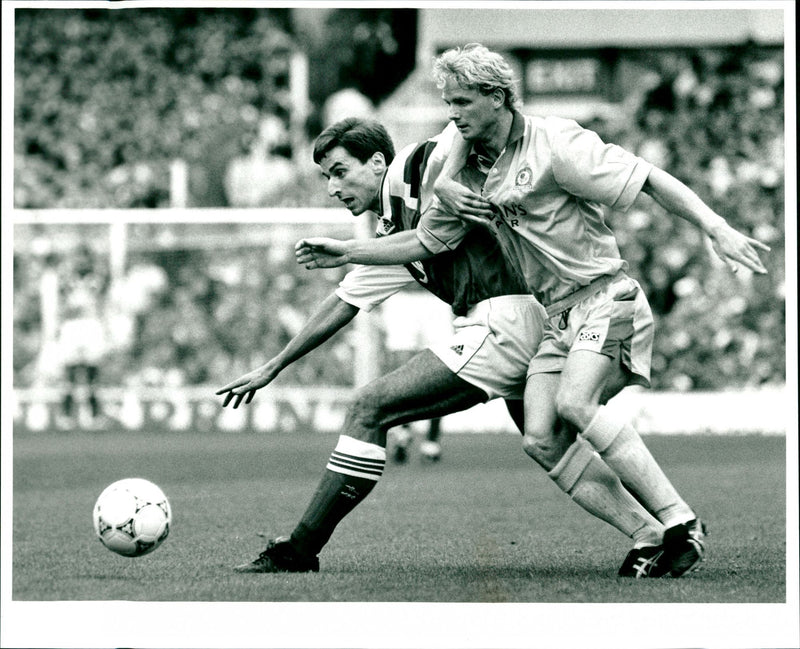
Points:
[(355, 183), (474, 114)]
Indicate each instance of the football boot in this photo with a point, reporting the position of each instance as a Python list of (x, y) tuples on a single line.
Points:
[(430, 451), (281, 556), (400, 441), (684, 547), (643, 562)]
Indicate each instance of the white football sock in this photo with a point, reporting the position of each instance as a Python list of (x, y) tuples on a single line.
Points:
[(357, 458), (594, 486), (624, 451)]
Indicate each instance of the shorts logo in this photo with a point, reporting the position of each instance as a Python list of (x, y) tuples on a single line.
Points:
[(524, 176), (593, 336), (458, 349)]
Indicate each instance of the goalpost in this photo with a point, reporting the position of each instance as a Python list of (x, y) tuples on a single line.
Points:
[(212, 229), (319, 407)]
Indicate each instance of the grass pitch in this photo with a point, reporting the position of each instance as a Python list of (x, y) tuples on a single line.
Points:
[(484, 525)]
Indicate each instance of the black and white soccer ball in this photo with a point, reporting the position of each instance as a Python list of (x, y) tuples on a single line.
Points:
[(132, 517)]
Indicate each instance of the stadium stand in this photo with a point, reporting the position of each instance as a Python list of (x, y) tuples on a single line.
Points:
[(103, 105)]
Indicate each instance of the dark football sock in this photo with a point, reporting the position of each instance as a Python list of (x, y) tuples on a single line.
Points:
[(353, 471)]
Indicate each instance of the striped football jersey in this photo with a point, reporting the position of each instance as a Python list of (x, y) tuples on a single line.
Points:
[(477, 269)]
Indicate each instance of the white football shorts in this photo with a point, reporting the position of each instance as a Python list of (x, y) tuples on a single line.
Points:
[(82, 340), (493, 344)]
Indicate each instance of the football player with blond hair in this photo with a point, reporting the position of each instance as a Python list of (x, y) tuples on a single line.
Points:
[(539, 185), (495, 335)]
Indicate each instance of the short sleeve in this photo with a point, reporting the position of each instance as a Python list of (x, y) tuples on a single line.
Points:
[(365, 287), (434, 164), (587, 167), (440, 230)]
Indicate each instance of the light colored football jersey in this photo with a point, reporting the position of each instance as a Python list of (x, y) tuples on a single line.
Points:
[(547, 187), (476, 271)]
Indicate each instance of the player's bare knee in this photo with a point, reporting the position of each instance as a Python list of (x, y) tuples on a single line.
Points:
[(542, 448), (364, 416), (574, 408)]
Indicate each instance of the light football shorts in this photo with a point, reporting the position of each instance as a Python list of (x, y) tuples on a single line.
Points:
[(493, 344), (82, 340), (616, 322)]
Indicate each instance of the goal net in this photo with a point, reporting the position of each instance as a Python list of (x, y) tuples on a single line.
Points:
[(188, 299)]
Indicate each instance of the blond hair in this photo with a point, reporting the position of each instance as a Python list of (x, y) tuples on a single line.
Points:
[(476, 67)]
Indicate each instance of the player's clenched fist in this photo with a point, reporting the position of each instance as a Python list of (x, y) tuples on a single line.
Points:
[(321, 252)]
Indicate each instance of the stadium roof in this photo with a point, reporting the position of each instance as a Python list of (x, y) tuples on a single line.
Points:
[(503, 28)]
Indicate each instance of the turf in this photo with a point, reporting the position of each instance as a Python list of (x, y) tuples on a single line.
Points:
[(483, 525)]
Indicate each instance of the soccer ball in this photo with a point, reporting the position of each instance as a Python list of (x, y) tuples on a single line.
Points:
[(132, 517)]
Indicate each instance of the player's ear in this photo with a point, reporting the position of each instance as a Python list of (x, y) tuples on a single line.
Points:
[(378, 162), (498, 97)]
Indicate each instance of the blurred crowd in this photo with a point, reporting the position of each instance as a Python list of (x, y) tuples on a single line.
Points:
[(103, 106), (105, 100), (714, 119), (180, 317)]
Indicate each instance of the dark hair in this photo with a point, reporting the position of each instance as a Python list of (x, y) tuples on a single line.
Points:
[(359, 137)]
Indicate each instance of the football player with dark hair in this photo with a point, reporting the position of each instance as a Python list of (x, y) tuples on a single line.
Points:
[(539, 184), (486, 357)]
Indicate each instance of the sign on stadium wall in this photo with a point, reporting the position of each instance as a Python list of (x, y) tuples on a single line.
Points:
[(175, 409), (763, 410), (566, 72)]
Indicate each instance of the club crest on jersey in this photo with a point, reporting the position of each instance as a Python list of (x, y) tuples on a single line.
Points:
[(385, 226), (524, 177)]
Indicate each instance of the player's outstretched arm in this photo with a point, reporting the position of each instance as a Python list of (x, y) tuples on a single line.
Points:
[(322, 252), (332, 315), (731, 246)]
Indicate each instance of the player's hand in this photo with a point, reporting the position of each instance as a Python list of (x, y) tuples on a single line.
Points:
[(244, 388), (462, 201), (734, 248), (321, 252)]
